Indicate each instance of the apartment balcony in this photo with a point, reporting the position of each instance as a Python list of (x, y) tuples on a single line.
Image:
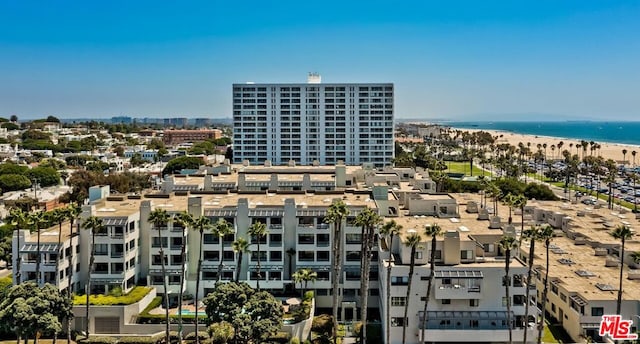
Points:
[(458, 292), (476, 326)]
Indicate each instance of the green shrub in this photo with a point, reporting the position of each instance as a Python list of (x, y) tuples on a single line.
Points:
[(294, 340), (135, 295), (322, 324), (308, 295), (201, 335), (156, 302), (279, 338), (141, 339)]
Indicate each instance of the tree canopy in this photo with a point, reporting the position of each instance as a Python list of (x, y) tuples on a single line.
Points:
[(183, 162), (254, 315)]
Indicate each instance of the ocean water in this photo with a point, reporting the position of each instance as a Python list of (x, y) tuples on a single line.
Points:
[(613, 132)]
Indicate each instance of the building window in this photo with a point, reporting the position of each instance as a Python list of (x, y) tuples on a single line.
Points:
[(399, 280), (306, 239), (446, 301), (323, 256), (352, 275), (275, 256), (474, 303), (353, 256), (597, 311), (418, 254), (305, 256), (397, 322), (399, 301), (554, 289), (518, 300)]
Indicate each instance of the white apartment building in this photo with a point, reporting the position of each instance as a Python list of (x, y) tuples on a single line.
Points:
[(311, 122)]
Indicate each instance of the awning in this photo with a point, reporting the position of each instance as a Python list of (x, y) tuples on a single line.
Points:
[(311, 212), (220, 212), (457, 274), (290, 183), (44, 248), (114, 221), (185, 187), (107, 280), (223, 185), (266, 212), (156, 272)]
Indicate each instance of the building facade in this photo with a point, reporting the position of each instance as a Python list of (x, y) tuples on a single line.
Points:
[(311, 122)]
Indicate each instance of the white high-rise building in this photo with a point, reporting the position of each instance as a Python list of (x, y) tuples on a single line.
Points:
[(311, 122)]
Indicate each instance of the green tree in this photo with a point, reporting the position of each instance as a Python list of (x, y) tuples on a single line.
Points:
[(545, 234), (368, 220), (137, 160), (221, 229), (240, 246), (389, 229), (304, 276), (254, 315), (433, 232), (336, 215), (32, 311), (52, 119), (5, 250), (413, 241), (622, 233), (160, 220), (258, 230), (19, 219), (200, 224), (71, 212), (507, 244), (532, 235), (14, 182), (184, 162), (95, 225)]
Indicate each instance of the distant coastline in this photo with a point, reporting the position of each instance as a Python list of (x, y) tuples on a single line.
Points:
[(622, 133)]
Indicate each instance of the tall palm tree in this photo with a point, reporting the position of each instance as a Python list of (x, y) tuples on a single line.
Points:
[(258, 230), (336, 214), (531, 234), (200, 224), (304, 276), (240, 246), (221, 229), (18, 218), (508, 243), (545, 234), (390, 229), (622, 233), (624, 156), (432, 231), (520, 201), (412, 241), (72, 211), (633, 154), (58, 216), (367, 220), (510, 201), (36, 219), (184, 220), (95, 225), (160, 219)]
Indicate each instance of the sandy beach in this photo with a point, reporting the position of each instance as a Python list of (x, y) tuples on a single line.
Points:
[(607, 150)]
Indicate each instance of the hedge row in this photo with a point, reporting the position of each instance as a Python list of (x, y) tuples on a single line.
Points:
[(135, 295)]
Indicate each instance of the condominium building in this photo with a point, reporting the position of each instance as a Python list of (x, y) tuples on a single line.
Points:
[(174, 137), (313, 122), (467, 302)]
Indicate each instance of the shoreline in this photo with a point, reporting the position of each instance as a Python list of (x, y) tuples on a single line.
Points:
[(608, 150)]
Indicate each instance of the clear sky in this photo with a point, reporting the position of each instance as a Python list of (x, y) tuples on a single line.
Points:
[(518, 60)]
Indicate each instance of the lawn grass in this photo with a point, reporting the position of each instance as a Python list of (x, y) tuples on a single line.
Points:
[(554, 333), (463, 167)]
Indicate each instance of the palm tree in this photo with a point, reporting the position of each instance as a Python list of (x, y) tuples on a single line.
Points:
[(221, 229), (624, 156), (160, 218), (304, 276), (623, 233), (390, 229), (35, 219), (95, 225), (58, 216), (508, 243), (240, 246), (510, 201), (432, 231), (531, 234), (367, 220), (184, 220), (201, 224), (545, 234), (72, 211), (520, 201), (412, 241), (18, 219), (258, 230), (336, 214), (633, 154)]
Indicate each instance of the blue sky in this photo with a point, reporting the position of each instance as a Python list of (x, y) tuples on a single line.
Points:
[(460, 60)]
